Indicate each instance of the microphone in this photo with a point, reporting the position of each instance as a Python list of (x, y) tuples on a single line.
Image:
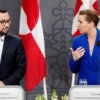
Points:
[(98, 43), (98, 69)]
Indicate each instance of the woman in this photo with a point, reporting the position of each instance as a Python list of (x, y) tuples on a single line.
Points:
[(85, 52)]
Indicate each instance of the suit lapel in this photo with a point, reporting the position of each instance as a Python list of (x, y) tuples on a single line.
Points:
[(5, 47), (88, 57), (95, 52)]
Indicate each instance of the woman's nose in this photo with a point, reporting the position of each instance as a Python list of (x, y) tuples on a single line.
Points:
[(78, 25)]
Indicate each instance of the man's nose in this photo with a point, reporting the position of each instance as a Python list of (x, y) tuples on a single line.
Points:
[(7, 24)]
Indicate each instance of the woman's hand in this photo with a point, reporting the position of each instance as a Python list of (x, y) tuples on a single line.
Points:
[(78, 53)]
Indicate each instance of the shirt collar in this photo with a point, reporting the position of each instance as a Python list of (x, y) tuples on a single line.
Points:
[(2, 38)]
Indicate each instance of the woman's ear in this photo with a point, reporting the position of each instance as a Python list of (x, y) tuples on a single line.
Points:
[(92, 24)]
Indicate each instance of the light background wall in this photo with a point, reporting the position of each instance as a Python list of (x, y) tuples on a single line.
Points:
[(57, 17)]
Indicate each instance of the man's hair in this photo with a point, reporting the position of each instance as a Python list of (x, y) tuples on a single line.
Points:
[(3, 10), (91, 16)]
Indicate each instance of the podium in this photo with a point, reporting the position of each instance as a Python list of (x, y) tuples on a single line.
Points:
[(12, 93), (88, 92)]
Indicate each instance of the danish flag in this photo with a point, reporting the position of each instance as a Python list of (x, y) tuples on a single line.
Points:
[(32, 36), (80, 5)]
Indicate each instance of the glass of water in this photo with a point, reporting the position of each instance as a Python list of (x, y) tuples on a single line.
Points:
[(83, 82)]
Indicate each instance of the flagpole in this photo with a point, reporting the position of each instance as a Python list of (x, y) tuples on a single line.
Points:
[(45, 88), (73, 80), (44, 80)]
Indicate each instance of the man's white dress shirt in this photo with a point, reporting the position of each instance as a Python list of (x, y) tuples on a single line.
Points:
[(1, 46)]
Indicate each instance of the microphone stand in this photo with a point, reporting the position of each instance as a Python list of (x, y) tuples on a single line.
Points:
[(98, 69)]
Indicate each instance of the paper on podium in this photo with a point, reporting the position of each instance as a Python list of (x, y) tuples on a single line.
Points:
[(84, 92), (12, 93)]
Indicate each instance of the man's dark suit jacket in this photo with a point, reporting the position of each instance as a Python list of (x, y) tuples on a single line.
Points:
[(13, 63)]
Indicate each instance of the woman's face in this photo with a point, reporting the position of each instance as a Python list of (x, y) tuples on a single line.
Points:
[(83, 25)]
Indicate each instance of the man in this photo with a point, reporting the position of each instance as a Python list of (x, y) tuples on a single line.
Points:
[(12, 57)]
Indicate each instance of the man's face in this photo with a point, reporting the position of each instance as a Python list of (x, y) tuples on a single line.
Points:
[(4, 23)]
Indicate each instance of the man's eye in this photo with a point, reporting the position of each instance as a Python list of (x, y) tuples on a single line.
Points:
[(1, 22), (5, 21)]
